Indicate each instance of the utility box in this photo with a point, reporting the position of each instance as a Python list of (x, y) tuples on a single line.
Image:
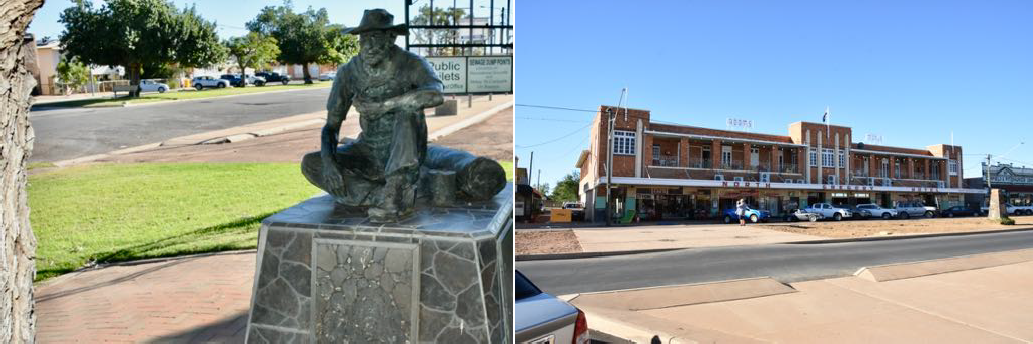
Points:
[(560, 215)]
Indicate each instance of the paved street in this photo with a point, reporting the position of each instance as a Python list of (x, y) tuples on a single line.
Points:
[(784, 262), (70, 133)]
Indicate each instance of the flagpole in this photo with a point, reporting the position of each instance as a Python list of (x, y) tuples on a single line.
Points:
[(828, 121)]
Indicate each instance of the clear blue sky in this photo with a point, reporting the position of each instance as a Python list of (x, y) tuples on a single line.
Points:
[(231, 15), (912, 72)]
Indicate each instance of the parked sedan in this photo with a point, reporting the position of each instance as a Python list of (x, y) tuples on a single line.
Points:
[(153, 86), (327, 76), (877, 211), (958, 211), (753, 215), (859, 213), (541, 318), (909, 209)]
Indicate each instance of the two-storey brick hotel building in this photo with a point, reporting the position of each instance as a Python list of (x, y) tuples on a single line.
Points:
[(667, 171)]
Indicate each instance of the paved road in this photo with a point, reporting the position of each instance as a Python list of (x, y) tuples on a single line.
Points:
[(71, 133), (784, 262)]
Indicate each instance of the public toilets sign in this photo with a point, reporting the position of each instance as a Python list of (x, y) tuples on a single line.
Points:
[(474, 74)]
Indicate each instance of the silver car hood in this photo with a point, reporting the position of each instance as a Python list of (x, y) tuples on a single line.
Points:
[(540, 309)]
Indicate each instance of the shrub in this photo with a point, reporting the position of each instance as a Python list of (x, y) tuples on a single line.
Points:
[(1007, 221)]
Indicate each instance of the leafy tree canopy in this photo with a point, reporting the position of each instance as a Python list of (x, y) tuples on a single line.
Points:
[(306, 37), (566, 189), (133, 33), (72, 73), (253, 50)]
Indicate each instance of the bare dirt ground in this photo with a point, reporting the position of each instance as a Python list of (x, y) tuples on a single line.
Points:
[(545, 242), (492, 138), (867, 228)]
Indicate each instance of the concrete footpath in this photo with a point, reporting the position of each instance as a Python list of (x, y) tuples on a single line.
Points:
[(983, 298)]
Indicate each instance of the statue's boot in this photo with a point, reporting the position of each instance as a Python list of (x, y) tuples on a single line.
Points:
[(397, 203)]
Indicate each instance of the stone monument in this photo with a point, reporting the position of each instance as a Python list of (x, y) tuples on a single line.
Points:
[(412, 242), (996, 210)]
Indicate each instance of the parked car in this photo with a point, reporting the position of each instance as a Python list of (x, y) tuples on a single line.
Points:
[(829, 212), (327, 76), (801, 215), (859, 214), (753, 215), (1011, 209), (877, 211), (540, 318), (235, 80), (201, 82), (148, 85), (577, 212), (274, 77), (958, 211), (909, 209)]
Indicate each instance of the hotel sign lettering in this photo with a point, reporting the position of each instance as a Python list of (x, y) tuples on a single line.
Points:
[(848, 187), (925, 190)]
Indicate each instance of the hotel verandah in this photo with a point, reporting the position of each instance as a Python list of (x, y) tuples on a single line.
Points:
[(666, 171)]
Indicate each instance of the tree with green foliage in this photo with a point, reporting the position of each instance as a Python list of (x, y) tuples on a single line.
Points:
[(566, 189), (442, 16), (252, 51), (72, 73), (135, 33), (304, 38)]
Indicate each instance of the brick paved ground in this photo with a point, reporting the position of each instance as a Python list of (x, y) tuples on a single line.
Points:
[(188, 299)]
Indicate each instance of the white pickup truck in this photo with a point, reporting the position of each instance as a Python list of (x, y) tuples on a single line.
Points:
[(828, 211), (1012, 209)]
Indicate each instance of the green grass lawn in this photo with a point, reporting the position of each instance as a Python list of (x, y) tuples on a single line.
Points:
[(189, 93), (118, 212), (508, 166)]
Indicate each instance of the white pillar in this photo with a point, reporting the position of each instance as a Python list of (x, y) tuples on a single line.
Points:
[(807, 161), (821, 160), (639, 143), (846, 151), (835, 160)]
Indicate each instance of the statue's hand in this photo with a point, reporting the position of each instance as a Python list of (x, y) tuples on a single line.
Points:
[(332, 179)]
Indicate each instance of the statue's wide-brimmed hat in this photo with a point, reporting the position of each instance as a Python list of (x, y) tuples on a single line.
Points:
[(378, 20)]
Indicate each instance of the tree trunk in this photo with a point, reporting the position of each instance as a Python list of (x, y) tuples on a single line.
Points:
[(243, 77), (134, 70), (17, 243), (308, 77)]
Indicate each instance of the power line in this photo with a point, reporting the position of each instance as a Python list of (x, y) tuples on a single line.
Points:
[(558, 138), (553, 119), (555, 108)]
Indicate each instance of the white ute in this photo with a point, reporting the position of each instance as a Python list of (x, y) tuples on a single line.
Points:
[(828, 211)]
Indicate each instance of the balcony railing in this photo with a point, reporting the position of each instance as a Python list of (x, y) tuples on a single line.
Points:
[(789, 168), (860, 173), (665, 160), (700, 163), (732, 165)]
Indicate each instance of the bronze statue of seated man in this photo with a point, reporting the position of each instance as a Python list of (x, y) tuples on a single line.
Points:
[(386, 167)]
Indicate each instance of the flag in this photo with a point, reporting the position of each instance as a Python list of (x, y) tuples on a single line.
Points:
[(826, 118)]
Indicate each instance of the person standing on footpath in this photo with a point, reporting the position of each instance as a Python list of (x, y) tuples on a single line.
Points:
[(740, 211)]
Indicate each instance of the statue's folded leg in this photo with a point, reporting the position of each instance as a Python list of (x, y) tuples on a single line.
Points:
[(478, 178), (357, 173)]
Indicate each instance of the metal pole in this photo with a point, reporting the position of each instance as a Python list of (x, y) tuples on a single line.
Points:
[(530, 168), (491, 22), (469, 40), (407, 4)]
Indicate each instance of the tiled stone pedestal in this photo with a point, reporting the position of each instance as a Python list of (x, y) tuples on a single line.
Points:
[(326, 274)]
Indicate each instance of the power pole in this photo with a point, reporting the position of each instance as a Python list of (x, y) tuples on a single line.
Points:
[(989, 188), (530, 169)]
